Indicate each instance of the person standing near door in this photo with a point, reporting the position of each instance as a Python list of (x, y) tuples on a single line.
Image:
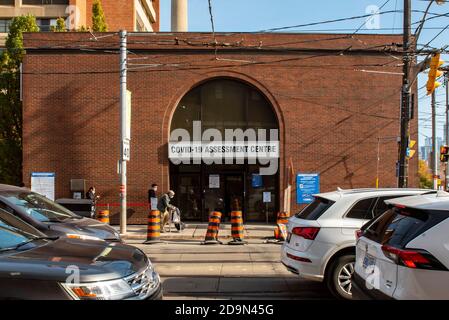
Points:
[(152, 197)]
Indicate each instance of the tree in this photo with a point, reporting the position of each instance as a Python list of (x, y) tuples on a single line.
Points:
[(60, 25), (425, 177), (98, 19), (10, 104)]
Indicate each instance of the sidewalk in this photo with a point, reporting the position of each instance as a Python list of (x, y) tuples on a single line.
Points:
[(197, 231)]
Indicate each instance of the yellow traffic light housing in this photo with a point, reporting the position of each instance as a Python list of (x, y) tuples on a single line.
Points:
[(444, 154), (434, 73), (410, 151)]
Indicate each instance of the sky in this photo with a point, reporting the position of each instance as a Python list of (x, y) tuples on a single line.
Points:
[(258, 15)]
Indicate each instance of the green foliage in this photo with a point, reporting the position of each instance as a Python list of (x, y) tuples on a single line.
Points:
[(60, 25), (425, 177), (10, 104), (98, 19)]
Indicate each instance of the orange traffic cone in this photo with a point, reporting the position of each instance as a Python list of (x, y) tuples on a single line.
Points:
[(154, 227), (213, 228), (237, 228)]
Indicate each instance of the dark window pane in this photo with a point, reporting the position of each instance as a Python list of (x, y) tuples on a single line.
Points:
[(362, 210), (45, 2), (7, 2), (316, 209)]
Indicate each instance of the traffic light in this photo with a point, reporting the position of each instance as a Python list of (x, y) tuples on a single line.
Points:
[(410, 151), (434, 73), (444, 153)]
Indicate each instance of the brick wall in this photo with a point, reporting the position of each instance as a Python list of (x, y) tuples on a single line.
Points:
[(120, 14), (330, 114)]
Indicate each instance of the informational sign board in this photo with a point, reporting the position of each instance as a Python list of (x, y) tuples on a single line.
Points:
[(214, 181), (307, 184), (44, 184), (256, 181), (266, 197), (223, 150)]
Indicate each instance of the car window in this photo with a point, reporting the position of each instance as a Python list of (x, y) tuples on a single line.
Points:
[(37, 206), (381, 206), (398, 226), (362, 210), (10, 236), (5, 207), (316, 209)]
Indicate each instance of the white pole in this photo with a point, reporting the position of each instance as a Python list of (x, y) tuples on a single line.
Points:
[(123, 73)]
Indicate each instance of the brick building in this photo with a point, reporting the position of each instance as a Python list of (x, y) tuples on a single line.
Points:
[(132, 15), (333, 98)]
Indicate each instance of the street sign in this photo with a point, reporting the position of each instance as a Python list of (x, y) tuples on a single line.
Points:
[(266, 197), (126, 152), (307, 184)]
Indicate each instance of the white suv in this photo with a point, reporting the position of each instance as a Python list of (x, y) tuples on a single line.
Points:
[(404, 253), (321, 238)]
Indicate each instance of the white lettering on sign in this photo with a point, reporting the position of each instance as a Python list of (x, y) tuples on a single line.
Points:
[(238, 145)]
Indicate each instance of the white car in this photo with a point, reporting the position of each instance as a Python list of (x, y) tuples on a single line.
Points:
[(321, 238), (404, 253)]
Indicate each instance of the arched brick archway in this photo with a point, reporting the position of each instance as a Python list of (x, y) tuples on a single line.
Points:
[(250, 82)]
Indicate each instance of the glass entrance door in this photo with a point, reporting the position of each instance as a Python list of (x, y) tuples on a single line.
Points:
[(234, 194)]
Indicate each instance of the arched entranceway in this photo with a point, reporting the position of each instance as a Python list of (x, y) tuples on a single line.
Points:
[(220, 105)]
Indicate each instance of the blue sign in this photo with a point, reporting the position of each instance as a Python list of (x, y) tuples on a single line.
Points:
[(256, 181), (307, 184)]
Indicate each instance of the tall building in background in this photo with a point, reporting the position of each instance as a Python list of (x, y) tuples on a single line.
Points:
[(426, 149), (132, 15)]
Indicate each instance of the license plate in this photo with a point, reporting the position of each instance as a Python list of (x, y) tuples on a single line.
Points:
[(369, 260), (289, 236)]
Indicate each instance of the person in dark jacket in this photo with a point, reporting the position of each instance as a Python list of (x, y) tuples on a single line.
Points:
[(92, 196), (152, 196), (164, 207)]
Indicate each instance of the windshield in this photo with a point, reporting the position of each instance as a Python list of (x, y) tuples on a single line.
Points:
[(316, 209), (12, 237), (38, 207)]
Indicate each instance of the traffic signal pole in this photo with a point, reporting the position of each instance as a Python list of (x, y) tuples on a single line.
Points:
[(405, 101), (123, 124), (446, 180), (435, 157)]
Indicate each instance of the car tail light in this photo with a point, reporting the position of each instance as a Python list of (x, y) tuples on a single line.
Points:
[(308, 233), (298, 258), (415, 259), (358, 234)]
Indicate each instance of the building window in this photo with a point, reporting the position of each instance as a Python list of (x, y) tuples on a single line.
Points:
[(45, 25), (4, 25), (44, 2), (7, 2)]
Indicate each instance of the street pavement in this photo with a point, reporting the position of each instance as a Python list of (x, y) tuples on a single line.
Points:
[(190, 270)]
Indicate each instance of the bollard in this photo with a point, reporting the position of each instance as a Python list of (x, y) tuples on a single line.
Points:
[(213, 228), (237, 228), (103, 216), (154, 227)]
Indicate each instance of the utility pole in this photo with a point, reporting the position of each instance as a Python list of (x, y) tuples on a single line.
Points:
[(434, 145), (124, 143), (446, 180), (405, 101)]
